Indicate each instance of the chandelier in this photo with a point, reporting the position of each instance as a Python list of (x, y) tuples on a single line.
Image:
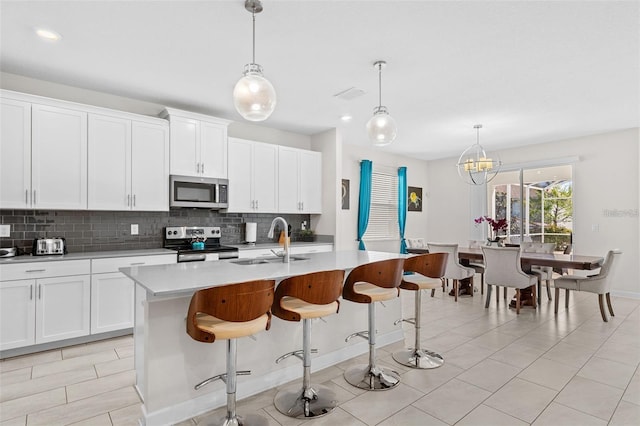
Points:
[(475, 167)]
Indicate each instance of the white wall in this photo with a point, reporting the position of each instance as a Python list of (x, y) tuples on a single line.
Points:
[(416, 225), (329, 143), (606, 177)]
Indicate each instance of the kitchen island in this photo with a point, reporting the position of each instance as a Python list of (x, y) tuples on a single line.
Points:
[(169, 363)]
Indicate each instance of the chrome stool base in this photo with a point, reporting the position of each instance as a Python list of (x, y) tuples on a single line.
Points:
[(315, 401), (248, 420), (418, 358), (372, 378)]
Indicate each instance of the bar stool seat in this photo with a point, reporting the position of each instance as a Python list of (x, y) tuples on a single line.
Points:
[(229, 312), (371, 283), (303, 298), (427, 271)]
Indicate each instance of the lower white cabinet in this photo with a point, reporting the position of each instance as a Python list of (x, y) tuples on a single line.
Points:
[(111, 302), (43, 310)]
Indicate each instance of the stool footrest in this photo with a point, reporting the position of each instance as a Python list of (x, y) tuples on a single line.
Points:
[(298, 354), (363, 334), (222, 377), (409, 320)]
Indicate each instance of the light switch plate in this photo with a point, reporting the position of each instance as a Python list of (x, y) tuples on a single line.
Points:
[(5, 230), (134, 229)]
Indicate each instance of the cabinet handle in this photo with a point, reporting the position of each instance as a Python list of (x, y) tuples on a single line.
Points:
[(35, 270), (134, 200), (31, 292), (202, 168), (26, 196), (34, 196), (39, 291), (256, 204), (137, 263), (302, 205), (128, 200)]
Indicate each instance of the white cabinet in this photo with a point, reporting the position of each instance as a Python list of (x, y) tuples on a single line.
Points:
[(253, 177), (299, 181), (315, 248), (295, 249), (15, 154), (112, 293), (198, 144), (43, 302), (128, 164), (43, 156)]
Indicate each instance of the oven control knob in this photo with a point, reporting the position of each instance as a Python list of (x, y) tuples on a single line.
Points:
[(175, 232)]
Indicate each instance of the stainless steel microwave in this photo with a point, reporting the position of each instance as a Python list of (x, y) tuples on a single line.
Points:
[(198, 192)]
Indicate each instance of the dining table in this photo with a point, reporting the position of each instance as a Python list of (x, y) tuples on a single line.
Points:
[(527, 260)]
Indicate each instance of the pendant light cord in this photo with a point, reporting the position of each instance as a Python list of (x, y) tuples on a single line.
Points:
[(253, 14), (379, 85)]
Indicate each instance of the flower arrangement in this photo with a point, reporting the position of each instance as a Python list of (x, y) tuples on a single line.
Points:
[(495, 225)]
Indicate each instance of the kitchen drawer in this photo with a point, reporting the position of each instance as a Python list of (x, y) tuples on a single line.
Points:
[(58, 268), (113, 264)]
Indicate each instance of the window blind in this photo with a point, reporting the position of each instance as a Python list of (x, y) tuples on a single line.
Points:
[(383, 215)]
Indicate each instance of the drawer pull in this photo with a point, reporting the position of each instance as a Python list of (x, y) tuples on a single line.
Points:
[(35, 270), (137, 263), (39, 291), (31, 292)]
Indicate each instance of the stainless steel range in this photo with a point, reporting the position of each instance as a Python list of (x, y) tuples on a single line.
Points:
[(197, 243)]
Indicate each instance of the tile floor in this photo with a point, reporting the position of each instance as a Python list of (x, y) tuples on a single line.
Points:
[(500, 369)]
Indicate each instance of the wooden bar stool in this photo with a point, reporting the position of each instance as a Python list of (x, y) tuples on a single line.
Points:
[(227, 313), (428, 270), (370, 283), (305, 297)]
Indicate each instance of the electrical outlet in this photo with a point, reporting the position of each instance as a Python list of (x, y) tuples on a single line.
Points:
[(5, 230), (595, 228), (134, 229)]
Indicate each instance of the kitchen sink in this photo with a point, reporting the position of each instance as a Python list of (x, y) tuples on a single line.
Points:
[(261, 260)]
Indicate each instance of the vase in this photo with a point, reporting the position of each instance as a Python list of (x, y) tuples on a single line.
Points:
[(491, 241)]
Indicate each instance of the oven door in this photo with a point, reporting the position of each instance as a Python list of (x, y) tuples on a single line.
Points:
[(189, 191)]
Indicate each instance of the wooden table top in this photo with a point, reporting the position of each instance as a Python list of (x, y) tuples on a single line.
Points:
[(555, 260)]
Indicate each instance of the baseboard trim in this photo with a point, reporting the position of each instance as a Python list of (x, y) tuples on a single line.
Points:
[(627, 294)]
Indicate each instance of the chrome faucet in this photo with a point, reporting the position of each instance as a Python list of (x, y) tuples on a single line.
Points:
[(285, 258)]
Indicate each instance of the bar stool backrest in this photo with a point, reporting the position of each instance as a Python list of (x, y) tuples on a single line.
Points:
[(318, 288), (432, 265), (384, 273), (238, 302)]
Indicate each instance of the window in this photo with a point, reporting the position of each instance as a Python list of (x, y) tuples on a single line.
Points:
[(383, 215)]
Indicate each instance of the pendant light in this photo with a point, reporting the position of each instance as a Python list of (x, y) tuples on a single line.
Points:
[(253, 96), (381, 128), (475, 167)]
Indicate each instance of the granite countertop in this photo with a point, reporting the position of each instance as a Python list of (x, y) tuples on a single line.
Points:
[(184, 278), (85, 255)]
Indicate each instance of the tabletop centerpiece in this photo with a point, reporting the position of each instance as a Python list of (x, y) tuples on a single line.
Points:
[(495, 226)]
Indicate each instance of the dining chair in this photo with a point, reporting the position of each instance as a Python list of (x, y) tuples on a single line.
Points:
[(599, 284), (564, 271), (454, 270), (503, 268), (544, 273)]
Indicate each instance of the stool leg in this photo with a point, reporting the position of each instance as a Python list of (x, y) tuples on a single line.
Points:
[(310, 401), (416, 357), (372, 377), (231, 419)]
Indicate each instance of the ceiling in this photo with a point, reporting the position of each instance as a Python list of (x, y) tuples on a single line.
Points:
[(529, 71)]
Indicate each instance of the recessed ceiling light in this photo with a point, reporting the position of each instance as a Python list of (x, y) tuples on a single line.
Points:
[(346, 118), (48, 35)]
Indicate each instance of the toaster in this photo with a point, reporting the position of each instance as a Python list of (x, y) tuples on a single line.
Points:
[(47, 246)]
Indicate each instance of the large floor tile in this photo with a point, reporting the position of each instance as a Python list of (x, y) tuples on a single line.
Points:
[(373, 407), (427, 380), (489, 374), (582, 338), (590, 397), (30, 360), (452, 401), (113, 367), (627, 414), (467, 355), (126, 416), (494, 340), (16, 421), (557, 414), (575, 356), (410, 416), (32, 403), (485, 415), (549, 373), (45, 383), (609, 372), (518, 354), (619, 352), (99, 346), (15, 376), (101, 420), (521, 399), (41, 370), (90, 388), (632, 393)]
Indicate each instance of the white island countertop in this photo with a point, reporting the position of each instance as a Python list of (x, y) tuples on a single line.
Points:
[(182, 278)]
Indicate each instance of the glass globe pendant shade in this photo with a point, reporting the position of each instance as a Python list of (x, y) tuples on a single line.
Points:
[(381, 128), (475, 167), (254, 96)]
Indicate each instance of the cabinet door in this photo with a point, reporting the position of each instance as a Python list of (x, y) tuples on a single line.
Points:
[(109, 148), (149, 167), (185, 134), (240, 186), (59, 158), (310, 181), (288, 191), (15, 154), (62, 308), (213, 150), (17, 314), (111, 302), (265, 177)]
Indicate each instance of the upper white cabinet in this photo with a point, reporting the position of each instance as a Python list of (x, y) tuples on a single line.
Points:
[(15, 153), (198, 144), (253, 177), (299, 181), (128, 164), (43, 156)]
